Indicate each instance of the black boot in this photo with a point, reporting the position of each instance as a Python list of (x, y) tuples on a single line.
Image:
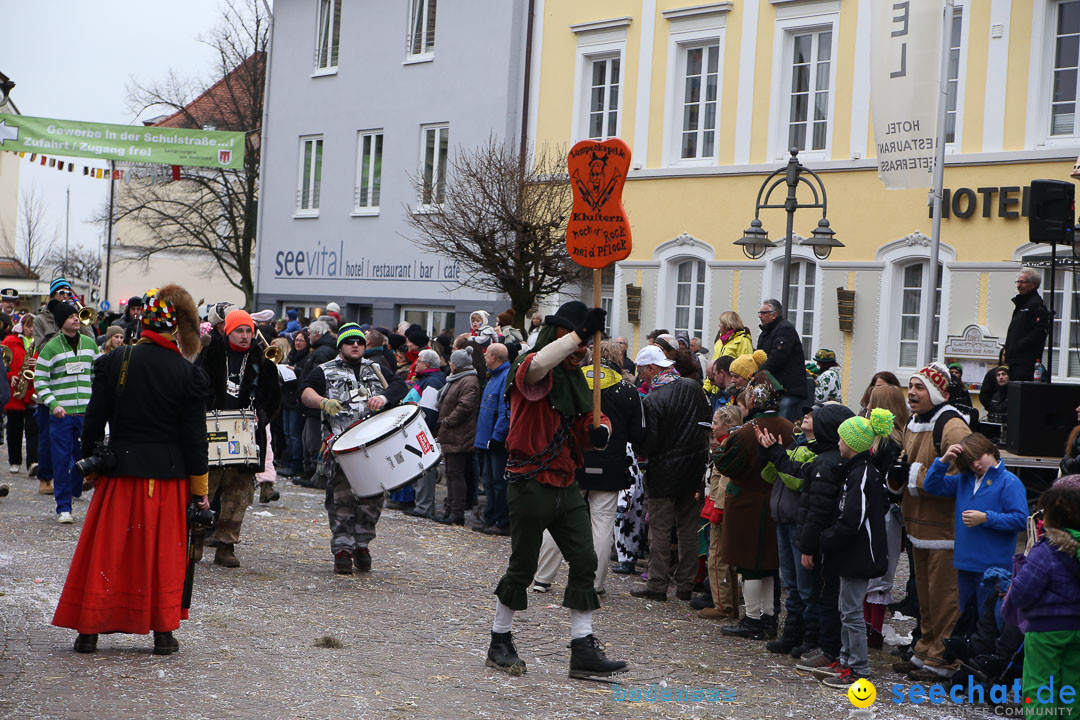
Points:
[(789, 639), (86, 643), (165, 643), (343, 562), (502, 654), (450, 519), (587, 659), (749, 628), (768, 626)]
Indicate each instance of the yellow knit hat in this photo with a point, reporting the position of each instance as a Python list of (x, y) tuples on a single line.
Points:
[(746, 365)]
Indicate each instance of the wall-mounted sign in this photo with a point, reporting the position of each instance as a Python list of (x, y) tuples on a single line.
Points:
[(975, 343), (1009, 201)]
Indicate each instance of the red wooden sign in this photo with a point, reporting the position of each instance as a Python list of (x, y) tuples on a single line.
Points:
[(598, 232)]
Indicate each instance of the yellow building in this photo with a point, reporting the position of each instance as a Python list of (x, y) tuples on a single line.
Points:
[(709, 96)]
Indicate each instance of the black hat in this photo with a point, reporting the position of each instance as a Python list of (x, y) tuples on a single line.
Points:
[(570, 316), (135, 301), (417, 336), (62, 311), (9, 294), (395, 341)]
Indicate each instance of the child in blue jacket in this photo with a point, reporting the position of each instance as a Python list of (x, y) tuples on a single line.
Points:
[(991, 508)]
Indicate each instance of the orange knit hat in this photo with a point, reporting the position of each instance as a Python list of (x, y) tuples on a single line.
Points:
[(236, 318)]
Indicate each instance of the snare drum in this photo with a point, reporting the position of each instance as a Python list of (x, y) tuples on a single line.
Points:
[(231, 436), (386, 451)]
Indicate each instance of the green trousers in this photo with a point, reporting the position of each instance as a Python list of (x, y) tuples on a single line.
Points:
[(534, 508), (1052, 657)]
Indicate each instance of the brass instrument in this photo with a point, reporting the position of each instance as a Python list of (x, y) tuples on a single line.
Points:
[(87, 315), (21, 383), (7, 355), (274, 354)]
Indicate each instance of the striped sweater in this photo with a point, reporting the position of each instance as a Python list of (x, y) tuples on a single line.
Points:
[(63, 378)]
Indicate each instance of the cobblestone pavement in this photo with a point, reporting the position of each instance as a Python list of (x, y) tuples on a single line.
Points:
[(414, 634)]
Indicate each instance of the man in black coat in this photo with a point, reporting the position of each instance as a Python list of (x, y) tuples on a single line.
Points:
[(241, 378), (787, 363), (677, 447), (323, 350), (1028, 328)]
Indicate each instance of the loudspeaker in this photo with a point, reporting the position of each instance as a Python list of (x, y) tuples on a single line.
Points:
[(1040, 418), (1051, 214)]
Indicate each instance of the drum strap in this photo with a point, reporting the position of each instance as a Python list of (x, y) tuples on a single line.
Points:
[(378, 372), (121, 382)]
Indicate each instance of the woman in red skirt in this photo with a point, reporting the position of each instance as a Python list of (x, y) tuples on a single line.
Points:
[(128, 571)]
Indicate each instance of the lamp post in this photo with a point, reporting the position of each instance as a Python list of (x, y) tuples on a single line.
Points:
[(755, 240)]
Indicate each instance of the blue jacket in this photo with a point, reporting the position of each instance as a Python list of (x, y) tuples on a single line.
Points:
[(493, 422), (1001, 496)]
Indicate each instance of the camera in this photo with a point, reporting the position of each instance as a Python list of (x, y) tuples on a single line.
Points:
[(199, 518), (101, 461)]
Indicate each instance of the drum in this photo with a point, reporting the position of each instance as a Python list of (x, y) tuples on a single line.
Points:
[(231, 436), (385, 451)]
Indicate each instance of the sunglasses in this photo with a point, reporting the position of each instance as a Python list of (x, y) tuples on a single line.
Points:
[(64, 293), (352, 341)]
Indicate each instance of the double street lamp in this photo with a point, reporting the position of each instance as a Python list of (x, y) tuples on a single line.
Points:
[(755, 240)]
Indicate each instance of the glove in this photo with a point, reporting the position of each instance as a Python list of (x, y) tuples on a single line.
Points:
[(330, 406), (594, 323), (599, 436), (496, 445), (898, 474)]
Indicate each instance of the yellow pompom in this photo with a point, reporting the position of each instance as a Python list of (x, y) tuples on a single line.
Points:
[(882, 421), (760, 357)]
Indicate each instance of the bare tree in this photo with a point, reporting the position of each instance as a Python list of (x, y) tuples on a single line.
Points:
[(209, 212), (504, 223), (35, 235), (79, 262)]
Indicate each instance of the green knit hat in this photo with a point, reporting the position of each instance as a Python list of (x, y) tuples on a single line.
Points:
[(349, 331), (858, 433)]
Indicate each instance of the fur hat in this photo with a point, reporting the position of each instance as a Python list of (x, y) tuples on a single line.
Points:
[(215, 315), (185, 319), (506, 318), (935, 381)]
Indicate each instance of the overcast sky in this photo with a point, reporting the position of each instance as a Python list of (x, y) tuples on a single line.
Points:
[(73, 60)]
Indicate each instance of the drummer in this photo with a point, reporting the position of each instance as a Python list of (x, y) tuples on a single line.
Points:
[(345, 389)]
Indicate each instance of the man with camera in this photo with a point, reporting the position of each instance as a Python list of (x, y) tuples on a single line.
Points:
[(128, 571), (241, 378), (63, 378), (336, 388)]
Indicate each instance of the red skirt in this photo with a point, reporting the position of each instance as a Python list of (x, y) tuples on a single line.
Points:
[(128, 571)]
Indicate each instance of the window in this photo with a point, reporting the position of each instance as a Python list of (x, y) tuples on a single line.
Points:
[(603, 118), (307, 196), (607, 295), (368, 171), (1065, 72), (801, 302), (1066, 347), (435, 146), (811, 78), (421, 39), (700, 99), (911, 314), (328, 39), (690, 297), (433, 320), (955, 34)]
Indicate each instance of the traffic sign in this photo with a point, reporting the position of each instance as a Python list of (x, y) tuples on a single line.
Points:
[(104, 305)]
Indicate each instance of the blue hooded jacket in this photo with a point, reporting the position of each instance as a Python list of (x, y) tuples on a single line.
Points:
[(493, 422)]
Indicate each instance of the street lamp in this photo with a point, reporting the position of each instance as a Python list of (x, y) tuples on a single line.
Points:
[(755, 239)]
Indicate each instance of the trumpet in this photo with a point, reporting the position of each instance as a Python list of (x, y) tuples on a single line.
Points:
[(274, 354), (87, 315), (7, 355)]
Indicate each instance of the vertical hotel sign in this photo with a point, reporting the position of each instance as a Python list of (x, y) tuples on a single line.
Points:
[(905, 56)]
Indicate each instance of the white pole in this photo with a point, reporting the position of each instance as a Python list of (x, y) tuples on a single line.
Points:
[(67, 231), (929, 293)]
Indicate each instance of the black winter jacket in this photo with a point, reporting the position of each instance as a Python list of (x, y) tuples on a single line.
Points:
[(676, 446), (854, 546), (1026, 336), (786, 362), (323, 350), (608, 469), (261, 374)]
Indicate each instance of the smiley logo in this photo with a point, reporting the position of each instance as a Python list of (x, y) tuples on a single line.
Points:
[(862, 693)]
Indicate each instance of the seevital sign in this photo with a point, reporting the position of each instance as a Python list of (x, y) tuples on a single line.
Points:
[(131, 143)]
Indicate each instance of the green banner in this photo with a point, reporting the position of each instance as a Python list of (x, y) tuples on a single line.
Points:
[(127, 143)]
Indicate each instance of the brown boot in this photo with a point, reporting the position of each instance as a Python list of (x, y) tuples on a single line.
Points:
[(45, 487), (224, 556)]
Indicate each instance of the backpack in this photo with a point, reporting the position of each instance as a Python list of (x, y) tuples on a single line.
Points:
[(946, 416)]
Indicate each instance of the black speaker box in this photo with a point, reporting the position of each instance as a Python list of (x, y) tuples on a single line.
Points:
[(1040, 418), (1051, 214)]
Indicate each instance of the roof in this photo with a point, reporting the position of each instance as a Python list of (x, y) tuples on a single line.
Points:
[(226, 97), (14, 268)]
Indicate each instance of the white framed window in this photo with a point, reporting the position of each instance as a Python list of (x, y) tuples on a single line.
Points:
[(954, 98), (909, 353), (309, 186), (607, 295), (804, 77), (327, 36), (1065, 69), (434, 149), (368, 172), (802, 302), (420, 43), (698, 110), (596, 113), (689, 300), (433, 319), (603, 87), (1066, 328)]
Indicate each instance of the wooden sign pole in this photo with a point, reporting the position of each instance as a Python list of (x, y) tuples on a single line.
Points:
[(596, 376)]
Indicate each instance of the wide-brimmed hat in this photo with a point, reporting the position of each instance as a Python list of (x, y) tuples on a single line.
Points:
[(570, 316)]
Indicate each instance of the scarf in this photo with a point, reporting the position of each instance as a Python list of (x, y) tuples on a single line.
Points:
[(664, 377), (570, 394), (453, 377), (165, 340), (724, 337)]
